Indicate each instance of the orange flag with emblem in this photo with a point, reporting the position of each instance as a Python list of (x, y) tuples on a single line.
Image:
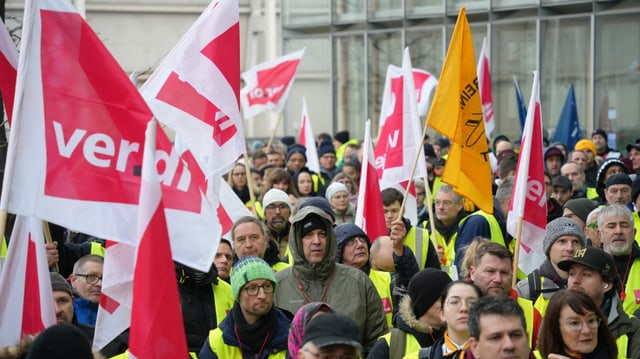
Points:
[(456, 113)]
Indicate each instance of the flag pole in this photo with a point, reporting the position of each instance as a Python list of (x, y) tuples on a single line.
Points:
[(413, 171), (252, 197), (47, 239), (273, 131), (516, 253), (432, 224)]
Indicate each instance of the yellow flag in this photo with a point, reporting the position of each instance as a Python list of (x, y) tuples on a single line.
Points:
[(456, 112)]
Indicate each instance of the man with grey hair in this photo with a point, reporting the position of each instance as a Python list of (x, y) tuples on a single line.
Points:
[(591, 228), (449, 211), (616, 232), (249, 238), (483, 224)]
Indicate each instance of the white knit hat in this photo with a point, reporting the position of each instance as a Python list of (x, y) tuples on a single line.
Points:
[(275, 195), (334, 188)]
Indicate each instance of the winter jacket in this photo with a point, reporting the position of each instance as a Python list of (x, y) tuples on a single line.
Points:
[(418, 334), (348, 290), (625, 329), (86, 311), (225, 337)]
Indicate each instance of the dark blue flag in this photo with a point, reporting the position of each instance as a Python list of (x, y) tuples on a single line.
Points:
[(568, 128), (522, 109)]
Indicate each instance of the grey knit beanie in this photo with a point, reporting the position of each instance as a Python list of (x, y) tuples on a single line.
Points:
[(562, 227)]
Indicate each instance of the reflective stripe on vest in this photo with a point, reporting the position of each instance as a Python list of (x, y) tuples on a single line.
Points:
[(223, 299), (382, 282), (631, 300), (527, 308), (494, 226), (636, 225), (3, 248), (225, 351), (622, 342), (415, 240), (411, 343)]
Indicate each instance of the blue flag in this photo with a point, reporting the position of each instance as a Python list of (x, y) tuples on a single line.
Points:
[(568, 128), (522, 109)]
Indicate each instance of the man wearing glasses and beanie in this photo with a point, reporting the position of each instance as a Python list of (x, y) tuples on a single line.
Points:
[(254, 327)]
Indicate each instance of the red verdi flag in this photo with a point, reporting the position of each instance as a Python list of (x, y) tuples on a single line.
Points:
[(529, 201), (401, 135), (157, 328), (8, 69), (75, 145), (268, 84), (26, 299), (307, 139), (195, 91), (484, 84), (424, 82), (369, 214)]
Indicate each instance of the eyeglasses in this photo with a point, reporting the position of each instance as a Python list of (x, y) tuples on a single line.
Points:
[(273, 207), (90, 278), (455, 302), (252, 290), (576, 325), (331, 355)]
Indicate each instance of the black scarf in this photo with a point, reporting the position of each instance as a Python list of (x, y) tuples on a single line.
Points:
[(254, 336)]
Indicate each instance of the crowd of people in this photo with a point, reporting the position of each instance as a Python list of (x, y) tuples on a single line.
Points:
[(299, 279)]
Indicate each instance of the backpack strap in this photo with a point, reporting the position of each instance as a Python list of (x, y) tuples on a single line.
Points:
[(535, 285), (426, 353), (397, 344)]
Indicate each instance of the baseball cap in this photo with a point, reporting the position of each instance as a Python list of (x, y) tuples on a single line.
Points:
[(332, 329), (593, 258), (635, 145), (562, 181)]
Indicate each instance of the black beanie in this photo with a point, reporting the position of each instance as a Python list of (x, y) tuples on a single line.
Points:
[(342, 136), (312, 222), (425, 288), (296, 148), (60, 341)]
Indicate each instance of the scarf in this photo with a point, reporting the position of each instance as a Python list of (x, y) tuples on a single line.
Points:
[(452, 350), (254, 336)]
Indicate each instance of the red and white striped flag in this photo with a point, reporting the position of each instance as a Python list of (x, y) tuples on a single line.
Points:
[(8, 69), (26, 298), (76, 141), (424, 82), (308, 140), (195, 90), (157, 329), (401, 135), (484, 84), (114, 312), (369, 214), (268, 84), (529, 201)]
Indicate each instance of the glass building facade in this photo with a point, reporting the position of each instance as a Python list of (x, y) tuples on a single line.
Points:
[(594, 45)]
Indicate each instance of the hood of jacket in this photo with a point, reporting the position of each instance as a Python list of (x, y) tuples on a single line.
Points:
[(407, 320), (301, 266)]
